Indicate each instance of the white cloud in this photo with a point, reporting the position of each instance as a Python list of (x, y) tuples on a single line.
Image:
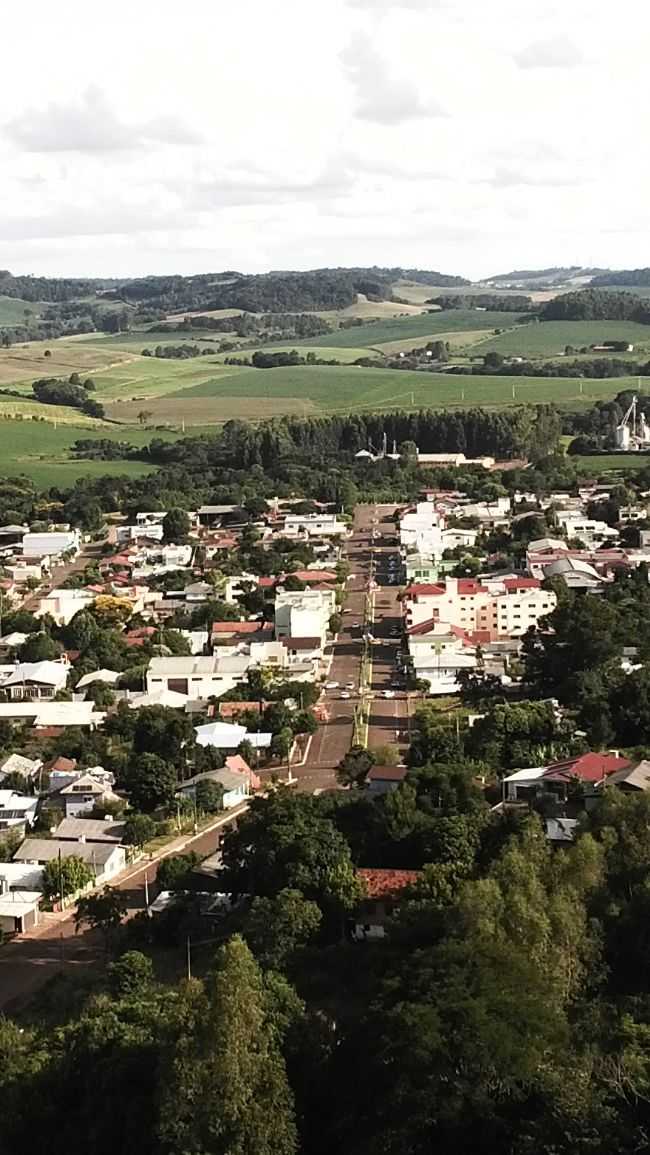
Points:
[(89, 124), (380, 95), (556, 52)]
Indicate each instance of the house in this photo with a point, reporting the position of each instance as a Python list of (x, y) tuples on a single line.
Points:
[(21, 890), (36, 680), (587, 529), (213, 515), (82, 794), (153, 531), (109, 677), (197, 677), (228, 736), (294, 657), (576, 574), (17, 764), (45, 715), (313, 525), (234, 633), (304, 613), (90, 830), (104, 859), (592, 769), (382, 891), (17, 809), (631, 778), (438, 653), (421, 529), (493, 607), (37, 545), (34, 570), (168, 698), (239, 765), (62, 604), (384, 779), (236, 786)]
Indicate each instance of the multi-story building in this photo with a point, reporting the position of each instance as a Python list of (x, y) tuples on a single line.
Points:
[(304, 613), (491, 608)]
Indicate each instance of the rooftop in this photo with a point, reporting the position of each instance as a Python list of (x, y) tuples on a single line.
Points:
[(386, 883)]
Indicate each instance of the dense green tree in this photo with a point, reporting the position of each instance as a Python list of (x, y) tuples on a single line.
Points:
[(275, 928), (138, 829), (102, 911), (150, 781), (65, 876), (227, 1091), (176, 526)]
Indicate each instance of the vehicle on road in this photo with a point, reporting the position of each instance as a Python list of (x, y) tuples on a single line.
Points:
[(344, 694), (388, 693), (331, 685)]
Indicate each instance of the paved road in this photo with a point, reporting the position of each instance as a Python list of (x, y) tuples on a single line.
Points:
[(27, 962), (369, 554), (88, 555)]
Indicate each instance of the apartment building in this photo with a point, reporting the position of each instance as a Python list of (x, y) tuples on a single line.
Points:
[(492, 607), (304, 613)]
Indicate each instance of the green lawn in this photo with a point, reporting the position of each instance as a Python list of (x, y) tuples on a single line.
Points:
[(549, 338), (605, 463)]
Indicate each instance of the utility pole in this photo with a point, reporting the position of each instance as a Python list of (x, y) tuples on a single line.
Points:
[(60, 878), (189, 958), (146, 891)]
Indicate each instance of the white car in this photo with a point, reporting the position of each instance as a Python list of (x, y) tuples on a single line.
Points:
[(331, 685), (388, 693), (344, 694)]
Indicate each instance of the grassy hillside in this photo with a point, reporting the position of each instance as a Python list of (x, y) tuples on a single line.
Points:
[(13, 310), (426, 325), (549, 338), (42, 451)]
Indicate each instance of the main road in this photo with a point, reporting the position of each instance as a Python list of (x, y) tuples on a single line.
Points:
[(372, 556)]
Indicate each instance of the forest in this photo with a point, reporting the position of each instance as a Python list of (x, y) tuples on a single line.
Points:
[(596, 305), (640, 277)]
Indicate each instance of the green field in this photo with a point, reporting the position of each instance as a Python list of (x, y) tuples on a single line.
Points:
[(42, 452), (13, 310), (549, 338), (604, 463), (422, 326)]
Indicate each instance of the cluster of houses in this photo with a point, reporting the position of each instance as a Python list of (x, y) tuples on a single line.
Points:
[(454, 624)]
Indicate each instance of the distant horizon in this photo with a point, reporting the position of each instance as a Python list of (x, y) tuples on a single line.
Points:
[(280, 270)]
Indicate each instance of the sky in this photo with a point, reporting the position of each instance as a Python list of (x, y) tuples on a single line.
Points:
[(468, 137)]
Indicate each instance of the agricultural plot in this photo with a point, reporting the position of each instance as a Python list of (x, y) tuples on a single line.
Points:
[(41, 450), (302, 389), (28, 362), (549, 338), (426, 326)]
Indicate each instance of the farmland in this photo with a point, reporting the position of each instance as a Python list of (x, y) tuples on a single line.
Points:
[(423, 326), (41, 451), (549, 338)]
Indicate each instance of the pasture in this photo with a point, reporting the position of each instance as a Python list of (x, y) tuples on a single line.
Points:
[(549, 338), (14, 311), (29, 362)]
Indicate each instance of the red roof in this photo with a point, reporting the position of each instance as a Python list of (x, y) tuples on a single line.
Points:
[(589, 767), (301, 643), (232, 709), (240, 627), (314, 575), (386, 883), (141, 632), (423, 589), (266, 583), (387, 773), (521, 583)]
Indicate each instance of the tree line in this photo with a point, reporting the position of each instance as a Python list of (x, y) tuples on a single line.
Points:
[(596, 305)]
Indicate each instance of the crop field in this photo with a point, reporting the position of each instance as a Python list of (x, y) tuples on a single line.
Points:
[(422, 327), (42, 451), (28, 362), (302, 390), (549, 338), (13, 310)]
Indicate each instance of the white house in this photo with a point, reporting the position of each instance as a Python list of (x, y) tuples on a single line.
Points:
[(421, 529), (83, 793), (197, 677), (236, 786), (228, 736), (17, 809), (18, 764), (36, 545), (36, 680), (587, 529), (21, 890), (438, 653), (39, 713), (303, 613), (63, 604), (129, 533), (104, 859), (313, 525)]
